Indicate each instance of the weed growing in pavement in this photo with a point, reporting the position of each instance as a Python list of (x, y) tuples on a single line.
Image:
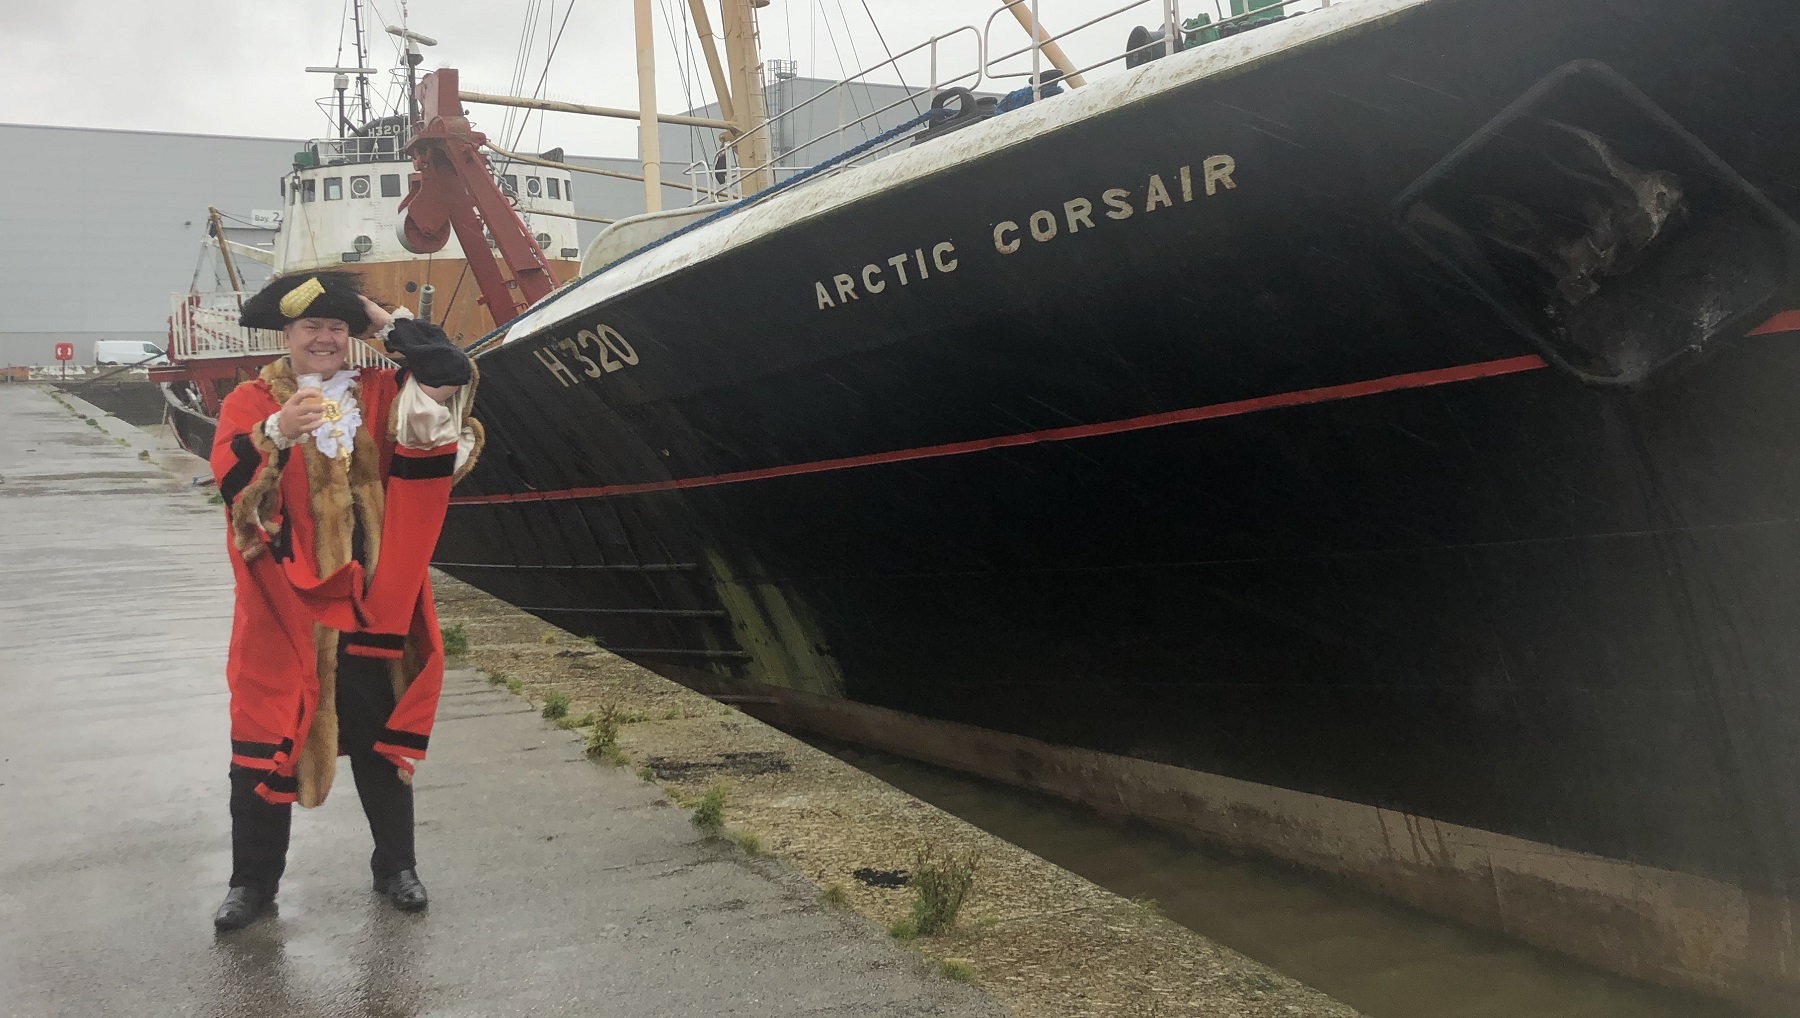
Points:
[(556, 706), (614, 756), (603, 736), (709, 812), (905, 929), (549, 638), (456, 640), (958, 970), (214, 497), (144, 454), (496, 678), (835, 896), (672, 715), (1147, 903), (750, 842), (647, 773), (515, 687), (941, 879)]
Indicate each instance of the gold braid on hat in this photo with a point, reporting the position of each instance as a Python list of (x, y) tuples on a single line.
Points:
[(301, 297)]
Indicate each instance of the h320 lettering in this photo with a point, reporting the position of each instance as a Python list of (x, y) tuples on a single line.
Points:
[(591, 353)]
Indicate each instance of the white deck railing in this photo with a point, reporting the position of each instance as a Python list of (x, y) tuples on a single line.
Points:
[(205, 327)]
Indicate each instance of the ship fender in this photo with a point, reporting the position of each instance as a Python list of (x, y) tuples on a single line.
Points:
[(1600, 229)]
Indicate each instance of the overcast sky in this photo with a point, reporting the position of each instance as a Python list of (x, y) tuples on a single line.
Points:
[(236, 67)]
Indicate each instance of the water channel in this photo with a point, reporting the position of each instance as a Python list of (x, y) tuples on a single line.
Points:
[(1384, 959)]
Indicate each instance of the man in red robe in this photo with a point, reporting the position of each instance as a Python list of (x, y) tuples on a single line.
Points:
[(335, 483)]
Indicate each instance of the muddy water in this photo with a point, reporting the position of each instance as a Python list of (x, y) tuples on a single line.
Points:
[(1385, 960)]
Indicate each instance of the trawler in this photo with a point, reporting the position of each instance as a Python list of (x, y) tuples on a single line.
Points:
[(1361, 434), (340, 202)]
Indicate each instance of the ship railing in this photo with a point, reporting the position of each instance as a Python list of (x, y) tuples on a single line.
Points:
[(942, 57), (375, 148), (1212, 20), (204, 326)]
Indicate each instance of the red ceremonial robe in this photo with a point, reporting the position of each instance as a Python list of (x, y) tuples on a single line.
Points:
[(303, 597)]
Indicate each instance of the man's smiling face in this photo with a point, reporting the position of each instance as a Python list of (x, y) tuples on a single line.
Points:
[(317, 346)]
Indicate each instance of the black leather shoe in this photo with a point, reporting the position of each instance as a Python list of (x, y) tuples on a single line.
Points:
[(404, 890), (241, 907)]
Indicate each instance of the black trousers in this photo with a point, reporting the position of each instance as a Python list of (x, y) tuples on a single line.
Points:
[(259, 828)]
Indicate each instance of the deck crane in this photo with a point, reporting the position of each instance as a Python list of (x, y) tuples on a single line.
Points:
[(453, 189)]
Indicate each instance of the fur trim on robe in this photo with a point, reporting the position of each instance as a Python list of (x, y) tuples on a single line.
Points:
[(338, 494)]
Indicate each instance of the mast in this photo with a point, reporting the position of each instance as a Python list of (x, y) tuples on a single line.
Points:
[(746, 89), (362, 60), (649, 137), (218, 232)]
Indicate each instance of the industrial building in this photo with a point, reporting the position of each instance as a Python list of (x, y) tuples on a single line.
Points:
[(94, 249)]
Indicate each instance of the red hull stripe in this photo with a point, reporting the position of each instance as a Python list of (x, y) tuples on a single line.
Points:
[(1787, 321), (1327, 394)]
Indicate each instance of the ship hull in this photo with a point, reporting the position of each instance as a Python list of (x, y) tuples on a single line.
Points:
[(1274, 476)]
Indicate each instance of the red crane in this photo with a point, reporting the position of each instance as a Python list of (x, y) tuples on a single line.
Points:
[(453, 189)]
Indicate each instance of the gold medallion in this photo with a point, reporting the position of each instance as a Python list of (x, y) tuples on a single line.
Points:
[(332, 411)]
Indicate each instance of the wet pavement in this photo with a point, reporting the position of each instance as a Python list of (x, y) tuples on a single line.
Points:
[(558, 886)]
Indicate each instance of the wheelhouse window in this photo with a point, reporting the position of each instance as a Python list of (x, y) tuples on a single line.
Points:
[(334, 188), (308, 190), (390, 185), (509, 185), (553, 184)]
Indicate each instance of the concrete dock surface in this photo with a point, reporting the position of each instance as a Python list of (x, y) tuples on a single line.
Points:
[(558, 887)]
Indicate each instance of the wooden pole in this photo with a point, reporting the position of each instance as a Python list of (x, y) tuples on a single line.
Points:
[(224, 252), (593, 111), (703, 28), (746, 91), (649, 141), (1021, 9)]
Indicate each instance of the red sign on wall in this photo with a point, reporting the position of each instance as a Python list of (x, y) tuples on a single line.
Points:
[(65, 351)]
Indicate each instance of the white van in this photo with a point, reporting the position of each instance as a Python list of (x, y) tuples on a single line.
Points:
[(128, 351)]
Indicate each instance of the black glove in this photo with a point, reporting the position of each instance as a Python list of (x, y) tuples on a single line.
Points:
[(428, 353)]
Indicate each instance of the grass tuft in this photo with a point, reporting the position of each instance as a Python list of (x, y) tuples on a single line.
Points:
[(556, 706), (614, 756), (647, 773), (549, 638), (750, 842), (456, 640), (672, 715), (214, 497), (603, 736), (958, 970), (515, 687), (905, 929), (496, 678), (941, 879), (144, 454), (835, 896), (1147, 903), (709, 812)]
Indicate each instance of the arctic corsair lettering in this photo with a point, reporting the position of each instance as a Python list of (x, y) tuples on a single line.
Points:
[(1118, 204), (902, 270)]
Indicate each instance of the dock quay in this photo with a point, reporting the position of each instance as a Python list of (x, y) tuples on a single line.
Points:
[(567, 877)]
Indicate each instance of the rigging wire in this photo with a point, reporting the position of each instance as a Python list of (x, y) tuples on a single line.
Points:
[(542, 78), (855, 106), (913, 96)]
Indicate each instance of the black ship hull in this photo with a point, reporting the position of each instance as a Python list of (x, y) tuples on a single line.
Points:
[(1378, 419), (192, 426)]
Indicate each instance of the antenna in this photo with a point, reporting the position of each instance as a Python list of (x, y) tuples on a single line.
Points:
[(413, 59), (362, 57), (341, 82)]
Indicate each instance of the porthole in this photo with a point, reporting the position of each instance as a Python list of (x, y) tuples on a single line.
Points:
[(543, 240), (359, 187), (363, 244), (533, 186)]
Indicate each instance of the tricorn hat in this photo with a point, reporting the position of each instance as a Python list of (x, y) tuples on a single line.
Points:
[(308, 295)]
